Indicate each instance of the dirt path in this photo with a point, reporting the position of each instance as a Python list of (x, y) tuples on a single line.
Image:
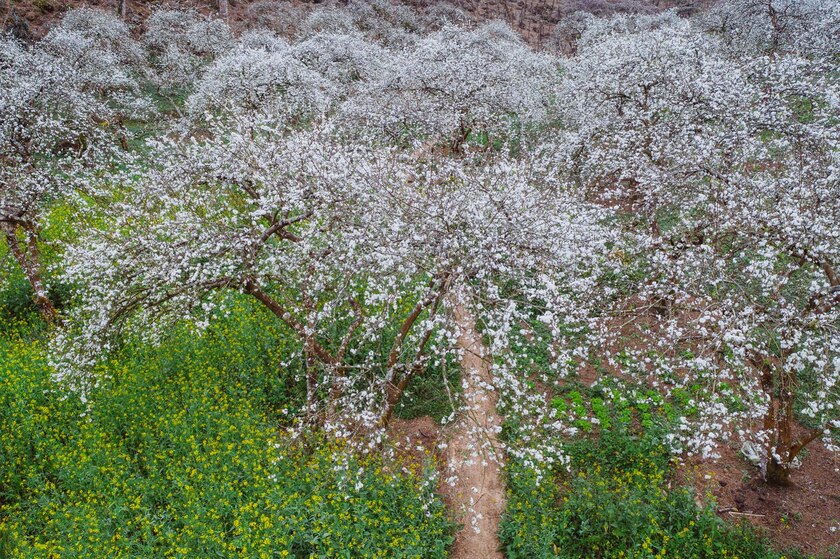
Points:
[(474, 455)]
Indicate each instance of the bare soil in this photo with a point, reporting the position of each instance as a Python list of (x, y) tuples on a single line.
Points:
[(533, 19), (805, 516), (415, 440), (470, 462), (472, 484)]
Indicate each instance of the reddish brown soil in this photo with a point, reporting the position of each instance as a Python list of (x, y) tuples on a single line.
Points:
[(415, 440), (801, 516), (534, 19), (474, 457)]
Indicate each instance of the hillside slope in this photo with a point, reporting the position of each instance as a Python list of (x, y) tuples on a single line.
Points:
[(535, 19)]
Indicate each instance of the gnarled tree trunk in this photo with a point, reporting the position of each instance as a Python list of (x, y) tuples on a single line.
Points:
[(27, 256)]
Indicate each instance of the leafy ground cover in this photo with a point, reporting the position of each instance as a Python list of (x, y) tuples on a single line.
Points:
[(181, 457), (619, 497)]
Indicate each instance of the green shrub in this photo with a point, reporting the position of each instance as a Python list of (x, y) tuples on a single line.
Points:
[(616, 501)]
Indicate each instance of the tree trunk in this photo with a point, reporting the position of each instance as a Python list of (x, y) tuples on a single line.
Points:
[(777, 474), (393, 395), (311, 376), (19, 28), (395, 388), (28, 259), (456, 146), (122, 8), (223, 8)]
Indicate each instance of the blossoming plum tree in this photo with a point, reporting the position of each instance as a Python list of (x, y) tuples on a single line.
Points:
[(52, 130), (353, 178), (455, 84), (181, 43), (345, 245), (253, 80), (99, 46), (344, 59), (776, 26), (731, 163)]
